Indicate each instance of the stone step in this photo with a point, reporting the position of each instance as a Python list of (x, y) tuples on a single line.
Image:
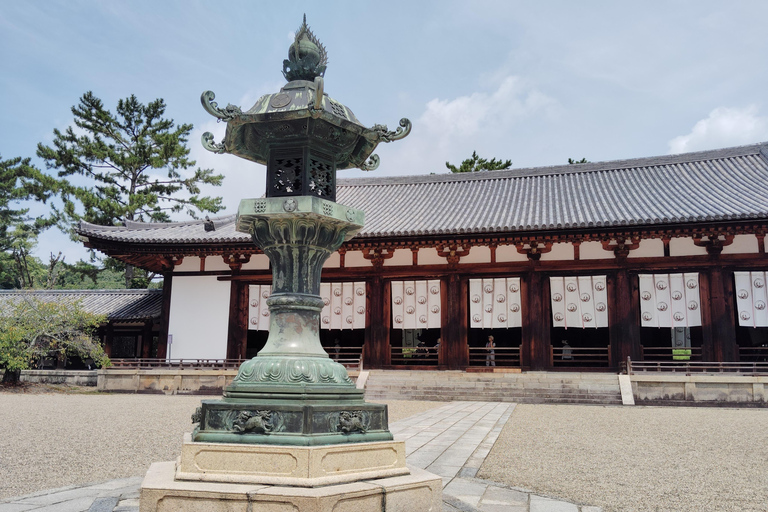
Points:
[(529, 387)]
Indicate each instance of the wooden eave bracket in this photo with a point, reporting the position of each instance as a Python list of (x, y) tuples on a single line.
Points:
[(377, 255), (714, 242), (621, 246), (533, 249), (236, 261), (452, 253)]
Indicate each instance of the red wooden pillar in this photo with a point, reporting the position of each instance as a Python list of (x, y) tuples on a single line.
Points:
[(237, 337), (720, 334), (162, 341), (377, 330), (453, 331), (146, 340), (537, 318), (623, 317)]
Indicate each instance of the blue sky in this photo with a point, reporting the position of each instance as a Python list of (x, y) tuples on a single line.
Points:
[(535, 82)]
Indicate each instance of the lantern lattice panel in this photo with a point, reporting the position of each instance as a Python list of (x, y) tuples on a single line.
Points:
[(495, 303), (579, 302), (752, 298), (670, 300), (416, 304)]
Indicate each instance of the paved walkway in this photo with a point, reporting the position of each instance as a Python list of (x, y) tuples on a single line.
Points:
[(450, 441)]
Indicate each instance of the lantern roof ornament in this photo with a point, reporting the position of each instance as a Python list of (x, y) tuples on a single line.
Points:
[(300, 114), (307, 58)]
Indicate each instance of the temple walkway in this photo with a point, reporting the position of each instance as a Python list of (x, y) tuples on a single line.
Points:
[(451, 441)]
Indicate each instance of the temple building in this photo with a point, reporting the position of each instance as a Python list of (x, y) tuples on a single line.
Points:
[(575, 266)]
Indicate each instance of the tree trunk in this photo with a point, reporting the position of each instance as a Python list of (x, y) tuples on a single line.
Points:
[(128, 275), (11, 377)]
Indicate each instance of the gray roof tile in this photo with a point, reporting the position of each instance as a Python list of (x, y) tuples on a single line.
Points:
[(717, 185), (115, 304)]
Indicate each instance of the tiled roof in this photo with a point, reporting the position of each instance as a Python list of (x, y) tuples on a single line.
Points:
[(115, 304), (717, 185)]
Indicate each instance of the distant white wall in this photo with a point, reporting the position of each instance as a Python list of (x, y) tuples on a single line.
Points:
[(650, 248), (188, 264), (199, 317), (401, 257), (594, 251), (742, 244), (560, 251), (685, 247), (257, 262), (479, 254), (508, 253), (334, 261), (356, 259)]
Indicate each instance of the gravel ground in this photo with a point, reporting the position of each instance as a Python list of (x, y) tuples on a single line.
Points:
[(637, 458), (50, 440)]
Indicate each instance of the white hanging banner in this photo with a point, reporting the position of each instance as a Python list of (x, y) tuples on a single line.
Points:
[(670, 300), (579, 302), (752, 298), (258, 311), (416, 304), (343, 305), (495, 303)]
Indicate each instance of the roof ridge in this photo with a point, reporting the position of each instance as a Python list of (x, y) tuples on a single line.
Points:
[(523, 172), (132, 224)]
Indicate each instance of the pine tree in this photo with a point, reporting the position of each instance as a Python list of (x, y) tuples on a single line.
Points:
[(136, 163), (475, 164)]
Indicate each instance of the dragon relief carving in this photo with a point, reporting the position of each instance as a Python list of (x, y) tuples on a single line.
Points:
[(256, 422), (349, 422)]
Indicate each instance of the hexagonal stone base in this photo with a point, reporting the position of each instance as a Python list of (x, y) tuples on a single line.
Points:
[(419, 490), (302, 466)]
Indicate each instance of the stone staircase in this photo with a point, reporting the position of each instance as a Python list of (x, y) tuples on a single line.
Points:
[(527, 387)]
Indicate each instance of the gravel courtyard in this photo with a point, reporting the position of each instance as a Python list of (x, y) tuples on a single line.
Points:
[(620, 458), (637, 458), (50, 440)]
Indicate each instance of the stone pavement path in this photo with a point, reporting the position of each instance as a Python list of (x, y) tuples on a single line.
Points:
[(450, 441)]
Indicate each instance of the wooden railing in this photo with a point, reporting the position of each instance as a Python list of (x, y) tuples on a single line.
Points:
[(502, 356), (689, 367), (414, 356), (350, 357), (670, 353), (181, 364), (580, 356), (753, 354)]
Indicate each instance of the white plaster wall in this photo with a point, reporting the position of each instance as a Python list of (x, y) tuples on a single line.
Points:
[(199, 317), (215, 262), (479, 254), (334, 261), (652, 248), (429, 256), (561, 251), (593, 251), (258, 262), (189, 264), (742, 244), (508, 253), (356, 259), (401, 257), (685, 247)]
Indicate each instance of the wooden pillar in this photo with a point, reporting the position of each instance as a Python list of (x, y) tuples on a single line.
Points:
[(537, 318), (453, 321), (623, 317), (719, 334), (237, 337), (377, 330), (162, 341), (109, 333), (146, 340)]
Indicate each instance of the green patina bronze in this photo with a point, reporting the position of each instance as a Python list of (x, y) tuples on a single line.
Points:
[(292, 393)]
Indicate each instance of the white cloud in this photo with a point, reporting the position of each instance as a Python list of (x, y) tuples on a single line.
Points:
[(722, 128), (450, 129)]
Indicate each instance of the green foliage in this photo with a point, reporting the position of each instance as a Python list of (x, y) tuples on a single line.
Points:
[(136, 162), (475, 164), (32, 329), (582, 161), (137, 166)]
